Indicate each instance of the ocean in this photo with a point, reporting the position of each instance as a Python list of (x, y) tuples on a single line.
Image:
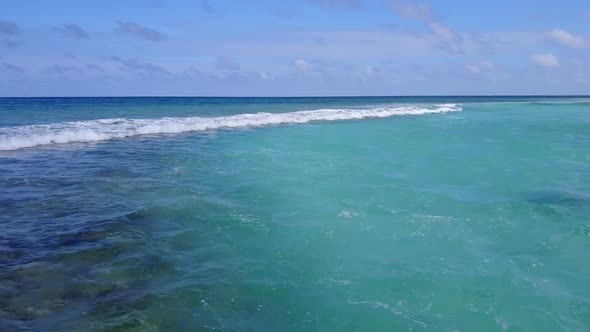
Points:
[(295, 214)]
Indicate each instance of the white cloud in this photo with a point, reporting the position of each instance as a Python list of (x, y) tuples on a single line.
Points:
[(8, 28), (266, 76), (416, 11), (479, 68), (368, 71), (223, 63), (443, 31), (302, 66), (332, 4), (445, 37), (566, 38), (545, 60), (133, 28)]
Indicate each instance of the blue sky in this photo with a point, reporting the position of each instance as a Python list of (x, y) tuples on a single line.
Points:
[(293, 47)]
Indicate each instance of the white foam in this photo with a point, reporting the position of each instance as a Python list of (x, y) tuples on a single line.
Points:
[(13, 138)]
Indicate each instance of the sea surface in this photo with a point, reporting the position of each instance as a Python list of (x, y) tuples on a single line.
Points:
[(295, 214)]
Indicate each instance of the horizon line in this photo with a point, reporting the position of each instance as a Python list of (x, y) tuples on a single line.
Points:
[(318, 96)]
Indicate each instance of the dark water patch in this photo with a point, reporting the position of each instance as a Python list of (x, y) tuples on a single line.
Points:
[(109, 271), (50, 271), (118, 173), (560, 206), (82, 237), (582, 230), (552, 104), (561, 198)]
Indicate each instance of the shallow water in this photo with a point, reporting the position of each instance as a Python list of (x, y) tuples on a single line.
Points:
[(471, 220)]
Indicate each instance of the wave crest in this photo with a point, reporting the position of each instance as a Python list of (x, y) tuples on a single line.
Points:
[(14, 138)]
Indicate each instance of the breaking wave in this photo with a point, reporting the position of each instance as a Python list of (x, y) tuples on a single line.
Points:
[(13, 138)]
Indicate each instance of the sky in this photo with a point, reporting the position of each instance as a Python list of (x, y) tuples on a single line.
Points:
[(294, 47)]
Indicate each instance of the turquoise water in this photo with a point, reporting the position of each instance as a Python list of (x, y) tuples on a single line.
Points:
[(433, 214)]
